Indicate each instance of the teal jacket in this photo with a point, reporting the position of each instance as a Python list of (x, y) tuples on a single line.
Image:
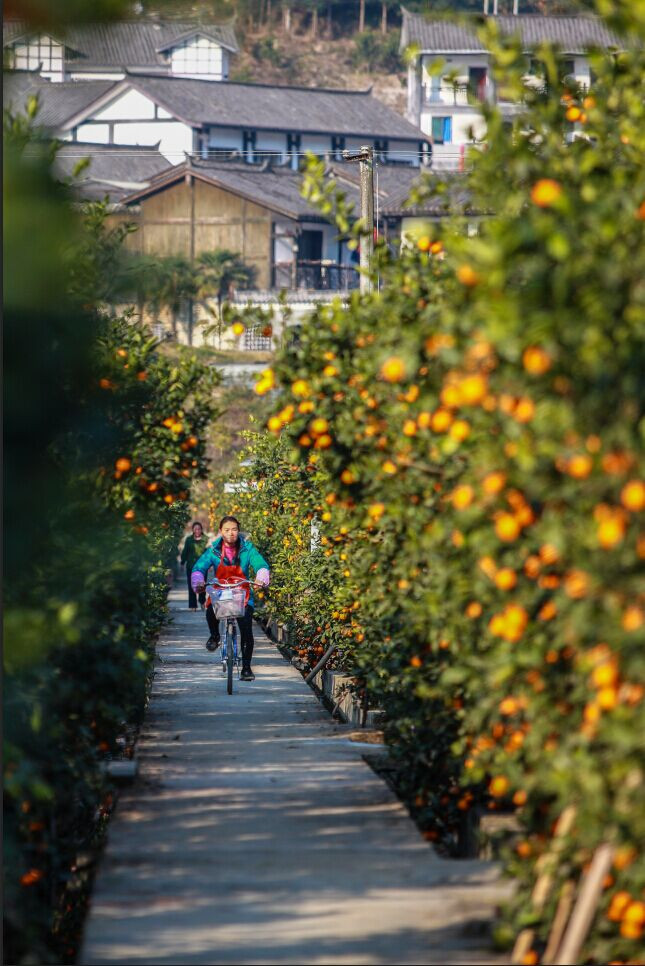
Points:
[(250, 558)]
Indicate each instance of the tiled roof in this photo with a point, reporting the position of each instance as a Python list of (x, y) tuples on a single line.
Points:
[(264, 106), (276, 188), (135, 44), (58, 102), (574, 35), (123, 164)]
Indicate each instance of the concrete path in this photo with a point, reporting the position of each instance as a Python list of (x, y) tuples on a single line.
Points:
[(256, 834)]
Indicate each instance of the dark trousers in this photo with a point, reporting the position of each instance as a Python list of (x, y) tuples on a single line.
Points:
[(245, 625), (192, 596)]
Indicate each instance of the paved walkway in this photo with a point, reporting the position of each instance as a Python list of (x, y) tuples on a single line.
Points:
[(256, 834)]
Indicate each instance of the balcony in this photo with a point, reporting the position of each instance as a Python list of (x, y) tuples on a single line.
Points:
[(317, 276), (458, 95)]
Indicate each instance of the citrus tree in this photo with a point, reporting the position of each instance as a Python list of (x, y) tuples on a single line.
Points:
[(475, 433), (104, 437)]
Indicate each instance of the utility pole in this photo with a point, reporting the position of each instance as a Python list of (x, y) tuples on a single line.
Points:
[(365, 157)]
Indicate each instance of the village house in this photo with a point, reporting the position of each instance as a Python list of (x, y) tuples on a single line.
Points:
[(444, 104), (102, 51), (252, 121), (258, 212)]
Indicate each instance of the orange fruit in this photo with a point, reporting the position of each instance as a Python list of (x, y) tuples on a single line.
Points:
[(573, 114), (611, 531), (605, 675), (607, 698), (410, 427), (129, 515), (416, 661), (548, 611), (441, 420), (624, 856), (318, 426), (580, 466), (460, 430), (631, 930), (238, 328), (488, 565), (549, 553), (462, 496), (545, 192), (376, 510), (474, 609), (524, 410), (632, 495), (300, 388), (123, 464), (389, 467), (274, 424), (494, 482), (506, 527), (536, 360), (473, 389), (393, 369), (347, 477), (509, 706), (424, 420), (576, 584), (436, 247), (632, 618), (523, 849), (499, 786), (635, 912), (330, 371), (506, 578), (468, 276), (520, 797), (450, 396), (619, 902)]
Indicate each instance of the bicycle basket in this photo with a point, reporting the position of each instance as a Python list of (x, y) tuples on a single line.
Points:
[(231, 602)]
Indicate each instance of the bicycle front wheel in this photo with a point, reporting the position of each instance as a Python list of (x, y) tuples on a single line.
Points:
[(230, 657)]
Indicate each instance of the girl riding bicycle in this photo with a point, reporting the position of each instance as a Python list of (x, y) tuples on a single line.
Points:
[(232, 557)]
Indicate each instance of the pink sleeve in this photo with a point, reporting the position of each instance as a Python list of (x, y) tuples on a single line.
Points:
[(263, 577), (197, 579)]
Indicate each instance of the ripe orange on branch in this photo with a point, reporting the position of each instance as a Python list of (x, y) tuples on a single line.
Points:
[(393, 369), (546, 192)]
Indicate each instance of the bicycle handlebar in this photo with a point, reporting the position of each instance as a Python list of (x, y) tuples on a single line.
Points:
[(239, 582)]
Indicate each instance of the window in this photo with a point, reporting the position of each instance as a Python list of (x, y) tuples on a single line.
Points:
[(197, 56), (254, 341), (310, 246), (337, 147), (442, 130), (477, 77), (567, 68), (293, 148), (30, 54), (380, 151), (248, 146)]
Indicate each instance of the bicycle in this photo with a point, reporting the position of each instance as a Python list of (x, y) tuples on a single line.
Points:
[(229, 603)]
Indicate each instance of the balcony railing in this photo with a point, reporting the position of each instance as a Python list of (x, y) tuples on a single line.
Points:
[(315, 276), (458, 95)]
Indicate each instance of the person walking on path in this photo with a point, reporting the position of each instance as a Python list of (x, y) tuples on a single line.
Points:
[(232, 557), (194, 546)]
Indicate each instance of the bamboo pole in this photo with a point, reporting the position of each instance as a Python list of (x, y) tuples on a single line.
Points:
[(585, 908), (560, 919), (321, 663), (541, 889)]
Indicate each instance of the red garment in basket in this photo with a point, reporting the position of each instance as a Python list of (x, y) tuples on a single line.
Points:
[(231, 574)]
